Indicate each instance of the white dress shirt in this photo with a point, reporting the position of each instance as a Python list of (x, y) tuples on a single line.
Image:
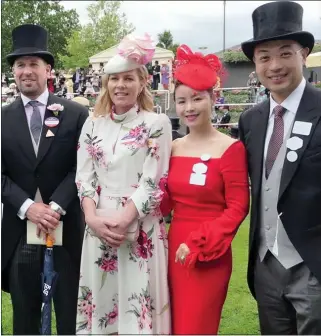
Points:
[(43, 100), (291, 104)]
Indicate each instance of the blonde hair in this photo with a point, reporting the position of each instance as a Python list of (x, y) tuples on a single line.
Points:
[(144, 99)]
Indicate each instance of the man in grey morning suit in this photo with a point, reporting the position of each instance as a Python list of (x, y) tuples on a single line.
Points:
[(283, 140)]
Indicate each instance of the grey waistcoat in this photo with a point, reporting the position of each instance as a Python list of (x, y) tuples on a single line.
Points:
[(38, 198), (271, 226)]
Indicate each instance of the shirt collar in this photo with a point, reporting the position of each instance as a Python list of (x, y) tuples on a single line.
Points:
[(126, 117), (43, 98), (292, 102)]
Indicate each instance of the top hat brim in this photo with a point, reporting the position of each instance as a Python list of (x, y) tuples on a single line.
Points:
[(304, 38), (45, 55)]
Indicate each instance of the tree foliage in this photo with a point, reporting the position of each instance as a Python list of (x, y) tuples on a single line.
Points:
[(174, 47), (106, 27), (166, 41), (317, 48), (234, 56), (59, 22)]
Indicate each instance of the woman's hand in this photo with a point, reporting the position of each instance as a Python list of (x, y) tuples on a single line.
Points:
[(106, 229), (117, 225), (182, 252)]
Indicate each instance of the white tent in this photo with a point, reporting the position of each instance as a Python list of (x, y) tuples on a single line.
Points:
[(314, 60), (161, 55)]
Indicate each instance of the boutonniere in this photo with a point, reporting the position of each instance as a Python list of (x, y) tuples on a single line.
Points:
[(55, 108)]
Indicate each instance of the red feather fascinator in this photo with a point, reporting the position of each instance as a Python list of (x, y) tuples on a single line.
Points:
[(196, 70)]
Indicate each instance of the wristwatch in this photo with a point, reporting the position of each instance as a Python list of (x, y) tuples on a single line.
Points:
[(55, 207)]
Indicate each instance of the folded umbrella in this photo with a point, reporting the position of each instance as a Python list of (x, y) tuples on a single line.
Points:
[(49, 278)]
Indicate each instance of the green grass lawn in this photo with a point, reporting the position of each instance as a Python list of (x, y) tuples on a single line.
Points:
[(240, 313)]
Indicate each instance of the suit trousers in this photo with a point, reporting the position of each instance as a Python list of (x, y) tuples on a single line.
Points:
[(25, 289), (289, 300)]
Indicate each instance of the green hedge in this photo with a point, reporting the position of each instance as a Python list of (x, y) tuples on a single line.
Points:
[(236, 96)]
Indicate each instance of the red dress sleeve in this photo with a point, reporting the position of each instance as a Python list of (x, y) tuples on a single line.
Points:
[(214, 238)]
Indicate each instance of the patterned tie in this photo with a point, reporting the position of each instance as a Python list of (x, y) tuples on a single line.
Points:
[(276, 139), (35, 121)]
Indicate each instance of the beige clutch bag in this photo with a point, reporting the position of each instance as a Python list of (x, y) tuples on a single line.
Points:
[(133, 230), (34, 240)]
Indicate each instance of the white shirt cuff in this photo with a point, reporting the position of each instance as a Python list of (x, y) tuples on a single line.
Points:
[(61, 210), (24, 208)]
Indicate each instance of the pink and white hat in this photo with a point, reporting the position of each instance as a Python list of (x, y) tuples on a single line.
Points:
[(132, 53)]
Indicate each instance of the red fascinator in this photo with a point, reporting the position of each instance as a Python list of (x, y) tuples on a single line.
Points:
[(196, 70)]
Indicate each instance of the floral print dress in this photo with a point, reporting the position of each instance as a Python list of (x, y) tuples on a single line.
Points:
[(125, 290)]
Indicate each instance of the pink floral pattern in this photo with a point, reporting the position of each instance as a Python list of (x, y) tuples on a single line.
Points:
[(139, 49), (112, 176), (82, 192), (111, 317), (139, 176), (153, 149), (95, 150), (163, 232), (98, 189), (136, 138), (151, 205), (143, 248), (85, 309), (121, 201), (108, 262), (142, 308), (141, 135)]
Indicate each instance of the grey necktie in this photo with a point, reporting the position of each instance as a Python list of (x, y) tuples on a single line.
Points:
[(35, 121)]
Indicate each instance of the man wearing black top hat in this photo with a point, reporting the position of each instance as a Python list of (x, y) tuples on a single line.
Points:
[(175, 128), (282, 136), (39, 144)]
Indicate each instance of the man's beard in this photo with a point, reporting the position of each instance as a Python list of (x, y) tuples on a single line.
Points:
[(29, 89)]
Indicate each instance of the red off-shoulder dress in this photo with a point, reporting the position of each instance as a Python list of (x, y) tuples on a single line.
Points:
[(206, 218)]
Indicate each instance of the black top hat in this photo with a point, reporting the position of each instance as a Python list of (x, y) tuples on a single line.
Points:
[(30, 40), (175, 123), (279, 20)]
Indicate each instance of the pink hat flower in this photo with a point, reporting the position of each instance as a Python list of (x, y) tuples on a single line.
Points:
[(138, 49)]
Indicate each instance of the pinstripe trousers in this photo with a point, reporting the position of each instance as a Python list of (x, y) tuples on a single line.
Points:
[(25, 289)]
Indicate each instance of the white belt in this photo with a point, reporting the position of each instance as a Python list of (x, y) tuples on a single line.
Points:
[(117, 192)]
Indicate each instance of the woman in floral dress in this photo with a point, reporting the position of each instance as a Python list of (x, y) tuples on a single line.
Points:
[(123, 154)]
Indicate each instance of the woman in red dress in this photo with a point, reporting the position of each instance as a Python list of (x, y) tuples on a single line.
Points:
[(208, 190)]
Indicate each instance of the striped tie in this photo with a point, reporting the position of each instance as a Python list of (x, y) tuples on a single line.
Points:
[(276, 139), (35, 121)]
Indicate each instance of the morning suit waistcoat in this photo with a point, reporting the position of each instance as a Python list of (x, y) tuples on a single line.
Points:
[(273, 236), (38, 198)]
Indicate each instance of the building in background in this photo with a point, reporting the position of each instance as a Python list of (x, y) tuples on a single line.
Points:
[(161, 55)]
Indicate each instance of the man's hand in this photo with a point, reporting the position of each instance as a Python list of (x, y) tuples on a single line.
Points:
[(43, 216)]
